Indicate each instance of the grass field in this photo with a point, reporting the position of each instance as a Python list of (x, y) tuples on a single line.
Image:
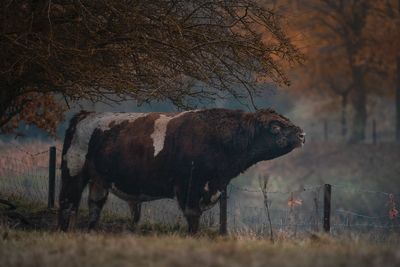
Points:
[(161, 240), (118, 244), (18, 248)]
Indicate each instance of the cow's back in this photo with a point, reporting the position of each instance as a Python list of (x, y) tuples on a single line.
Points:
[(75, 153), (140, 152)]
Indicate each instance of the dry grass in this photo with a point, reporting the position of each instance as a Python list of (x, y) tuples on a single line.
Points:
[(157, 245), (19, 248), (154, 245)]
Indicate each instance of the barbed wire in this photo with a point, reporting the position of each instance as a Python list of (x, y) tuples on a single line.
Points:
[(9, 158), (361, 190), (365, 225), (311, 188), (359, 214), (252, 190), (35, 154), (18, 147)]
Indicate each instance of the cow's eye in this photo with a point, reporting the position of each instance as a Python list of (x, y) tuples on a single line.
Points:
[(275, 129)]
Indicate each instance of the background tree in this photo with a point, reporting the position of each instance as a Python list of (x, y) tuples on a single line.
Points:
[(342, 31), (337, 83), (158, 50), (387, 18), (340, 45)]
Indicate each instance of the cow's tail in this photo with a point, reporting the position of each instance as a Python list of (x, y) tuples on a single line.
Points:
[(71, 187)]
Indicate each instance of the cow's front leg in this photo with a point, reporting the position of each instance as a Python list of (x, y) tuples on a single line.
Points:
[(135, 208), (69, 200), (190, 206), (192, 215), (97, 198), (193, 223)]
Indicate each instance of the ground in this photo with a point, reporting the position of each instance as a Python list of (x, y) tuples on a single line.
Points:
[(28, 236), (36, 243), (18, 248)]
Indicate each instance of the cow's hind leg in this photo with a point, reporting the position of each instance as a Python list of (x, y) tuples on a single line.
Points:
[(135, 208), (97, 198), (191, 211), (192, 216), (193, 223), (70, 197)]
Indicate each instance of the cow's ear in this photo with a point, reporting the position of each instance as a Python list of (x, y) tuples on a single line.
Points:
[(263, 117), (249, 125)]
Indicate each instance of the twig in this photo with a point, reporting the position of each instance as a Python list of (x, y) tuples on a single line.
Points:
[(263, 185), (10, 205)]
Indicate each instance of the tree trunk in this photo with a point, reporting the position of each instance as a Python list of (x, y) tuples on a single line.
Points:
[(344, 115), (360, 106), (398, 99)]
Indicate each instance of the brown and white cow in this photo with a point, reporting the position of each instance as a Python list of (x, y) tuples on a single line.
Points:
[(189, 156)]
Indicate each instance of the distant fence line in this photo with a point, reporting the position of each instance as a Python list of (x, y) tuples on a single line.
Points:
[(35, 175), (341, 187), (331, 130)]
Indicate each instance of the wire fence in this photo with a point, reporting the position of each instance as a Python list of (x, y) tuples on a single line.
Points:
[(25, 173), (352, 212)]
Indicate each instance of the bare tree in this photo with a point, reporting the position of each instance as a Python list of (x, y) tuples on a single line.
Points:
[(158, 50), (387, 16), (344, 23)]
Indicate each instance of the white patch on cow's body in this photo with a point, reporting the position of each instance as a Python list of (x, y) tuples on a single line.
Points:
[(160, 130), (127, 197), (76, 154), (215, 197), (213, 200), (206, 188)]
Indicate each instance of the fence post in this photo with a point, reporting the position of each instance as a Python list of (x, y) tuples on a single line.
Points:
[(223, 212), (374, 136), (327, 207), (52, 177), (326, 130)]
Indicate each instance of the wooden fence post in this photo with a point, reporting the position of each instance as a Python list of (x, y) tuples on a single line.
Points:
[(223, 212), (327, 207), (325, 130), (52, 177), (374, 136)]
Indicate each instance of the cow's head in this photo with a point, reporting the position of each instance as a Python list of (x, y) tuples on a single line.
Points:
[(274, 135)]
